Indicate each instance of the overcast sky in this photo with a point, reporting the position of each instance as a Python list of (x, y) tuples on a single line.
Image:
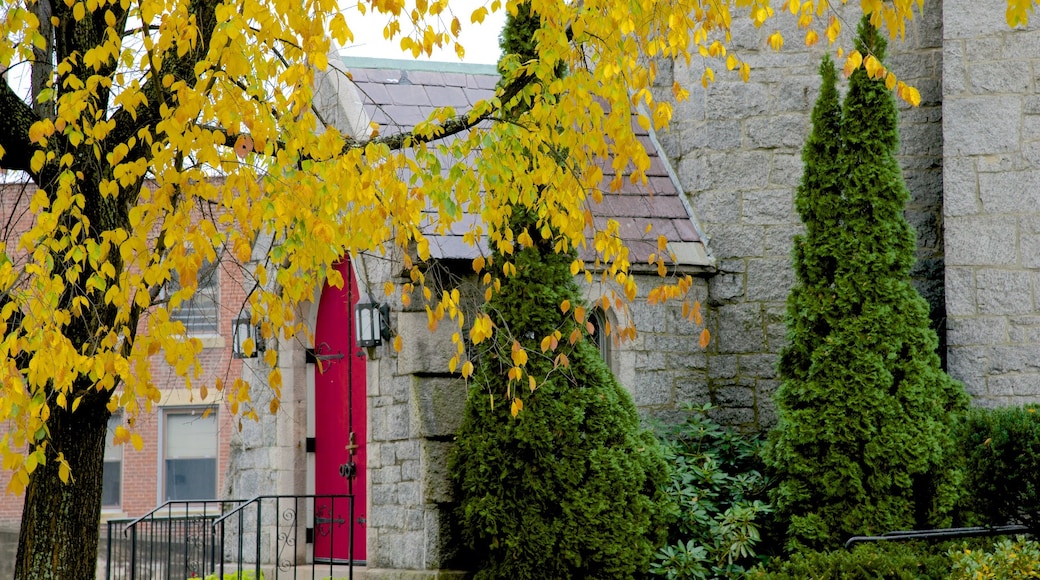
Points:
[(479, 40)]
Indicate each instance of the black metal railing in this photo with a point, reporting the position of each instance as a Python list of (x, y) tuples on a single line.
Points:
[(264, 538), (174, 540), (943, 534)]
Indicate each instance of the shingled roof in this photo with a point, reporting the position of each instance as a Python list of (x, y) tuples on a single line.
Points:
[(397, 94)]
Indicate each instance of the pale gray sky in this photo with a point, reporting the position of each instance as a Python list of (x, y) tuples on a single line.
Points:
[(479, 40)]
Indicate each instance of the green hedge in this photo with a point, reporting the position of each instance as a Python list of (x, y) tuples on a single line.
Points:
[(1008, 560), (888, 561), (1000, 450)]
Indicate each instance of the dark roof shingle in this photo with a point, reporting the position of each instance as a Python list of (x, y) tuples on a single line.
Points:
[(399, 94)]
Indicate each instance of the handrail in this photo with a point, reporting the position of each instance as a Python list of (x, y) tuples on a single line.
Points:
[(174, 540), (185, 502), (259, 498), (943, 533)]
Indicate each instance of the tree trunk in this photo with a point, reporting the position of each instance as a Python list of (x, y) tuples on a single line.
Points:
[(61, 521)]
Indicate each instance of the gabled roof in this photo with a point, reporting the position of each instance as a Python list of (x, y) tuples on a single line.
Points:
[(397, 94)]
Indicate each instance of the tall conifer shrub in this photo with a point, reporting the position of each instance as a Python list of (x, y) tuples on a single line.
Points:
[(864, 407), (569, 487)]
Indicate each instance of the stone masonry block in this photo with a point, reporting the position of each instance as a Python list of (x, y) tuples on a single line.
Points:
[(738, 170), (422, 351), (722, 366), (651, 360), (1029, 241), (777, 131), (968, 364), (436, 485), (736, 241), (740, 328), (955, 75), (442, 542), (786, 170), (716, 135), (732, 396), (437, 405), (1024, 329), (723, 288), (981, 241), (981, 125), (1005, 359), (713, 206), (964, 19), (769, 206), (684, 364), (1009, 191), (734, 100), (960, 187), (980, 330), (779, 239), (653, 389), (1000, 76), (769, 279), (1004, 291), (397, 425), (758, 365), (960, 291), (1025, 385)]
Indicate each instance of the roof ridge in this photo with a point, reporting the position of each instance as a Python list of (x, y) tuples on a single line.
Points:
[(406, 64)]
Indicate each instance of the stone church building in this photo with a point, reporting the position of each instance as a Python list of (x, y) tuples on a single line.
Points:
[(723, 188)]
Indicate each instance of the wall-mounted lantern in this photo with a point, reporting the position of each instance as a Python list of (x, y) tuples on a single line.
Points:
[(243, 330), (371, 323)]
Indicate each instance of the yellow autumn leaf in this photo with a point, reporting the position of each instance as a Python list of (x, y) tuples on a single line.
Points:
[(467, 369), (516, 406), (890, 80), (852, 62), (519, 354), (873, 66), (705, 338), (776, 41)]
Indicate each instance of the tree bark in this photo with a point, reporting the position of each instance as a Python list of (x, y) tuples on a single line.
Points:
[(60, 531)]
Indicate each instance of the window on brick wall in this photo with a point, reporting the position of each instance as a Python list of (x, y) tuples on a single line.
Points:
[(190, 454), (112, 475), (201, 314)]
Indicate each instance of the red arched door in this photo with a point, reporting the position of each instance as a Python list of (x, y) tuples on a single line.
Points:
[(339, 423)]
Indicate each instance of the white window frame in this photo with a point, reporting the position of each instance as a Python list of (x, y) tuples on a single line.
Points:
[(164, 440), (111, 449), (201, 313)]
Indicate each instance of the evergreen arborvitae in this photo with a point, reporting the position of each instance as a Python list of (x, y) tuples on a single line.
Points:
[(864, 407), (570, 487)]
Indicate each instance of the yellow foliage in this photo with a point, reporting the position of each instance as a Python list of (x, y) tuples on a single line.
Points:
[(154, 100)]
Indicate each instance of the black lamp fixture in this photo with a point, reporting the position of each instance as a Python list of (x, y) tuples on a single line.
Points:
[(243, 330), (371, 323)]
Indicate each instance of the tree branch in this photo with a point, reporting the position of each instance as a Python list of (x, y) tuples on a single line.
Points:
[(14, 130)]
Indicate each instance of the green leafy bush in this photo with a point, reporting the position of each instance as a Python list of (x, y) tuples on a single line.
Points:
[(1007, 560), (572, 485), (716, 486), (1001, 462), (887, 561)]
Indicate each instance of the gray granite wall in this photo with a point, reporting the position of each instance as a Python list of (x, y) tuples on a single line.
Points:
[(737, 150), (991, 107)]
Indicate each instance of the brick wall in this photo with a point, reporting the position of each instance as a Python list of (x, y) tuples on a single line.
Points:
[(141, 469)]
